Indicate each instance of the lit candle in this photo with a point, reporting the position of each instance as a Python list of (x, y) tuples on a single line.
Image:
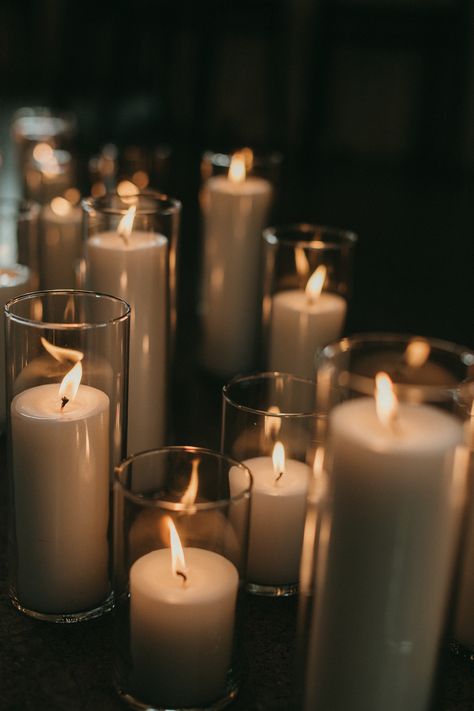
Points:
[(276, 518), (61, 242), (182, 611), (48, 174), (397, 478), (235, 209), (60, 447), (302, 322), (133, 265)]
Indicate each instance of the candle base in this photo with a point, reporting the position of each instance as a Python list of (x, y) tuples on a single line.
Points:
[(65, 617), (272, 590), (135, 703)]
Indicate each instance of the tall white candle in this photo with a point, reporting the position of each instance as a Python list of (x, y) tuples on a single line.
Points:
[(276, 520), (234, 211), (61, 498), (61, 244), (181, 633), (396, 497), (135, 269)]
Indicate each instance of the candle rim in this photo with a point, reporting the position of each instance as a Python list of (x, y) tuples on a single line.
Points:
[(337, 237), (163, 204), (258, 411)]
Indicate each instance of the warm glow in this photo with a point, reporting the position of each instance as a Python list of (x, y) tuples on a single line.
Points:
[(141, 179), (189, 496), (318, 464), (417, 353), (98, 190), (247, 154), (42, 152), (386, 402), (63, 355), (278, 459), (70, 384), (72, 195), (302, 264), (126, 188), (60, 206), (315, 283), (178, 564), (272, 424), (126, 223), (237, 171)]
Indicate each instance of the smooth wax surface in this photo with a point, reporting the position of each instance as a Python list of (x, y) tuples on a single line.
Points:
[(60, 248)]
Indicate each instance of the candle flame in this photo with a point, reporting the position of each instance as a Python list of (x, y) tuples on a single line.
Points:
[(60, 206), (417, 353), (125, 226), (178, 563), (70, 384), (278, 459), (315, 284), (272, 425), (190, 495), (126, 188), (386, 402), (42, 152), (237, 171), (63, 355), (247, 154)]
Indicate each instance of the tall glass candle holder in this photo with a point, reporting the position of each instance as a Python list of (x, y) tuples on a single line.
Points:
[(235, 201), (307, 273), (383, 524), (181, 526), (67, 377), (19, 224), (269, 423), (131, 251)]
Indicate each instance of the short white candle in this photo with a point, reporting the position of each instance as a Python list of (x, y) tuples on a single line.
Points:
[(235, 211), (277, 517), (181, 634), (135, 269), (300, 325), (61, 498), (61, 244), (396, 498)]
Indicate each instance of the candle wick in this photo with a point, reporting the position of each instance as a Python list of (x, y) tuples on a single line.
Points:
[(182, 575), (279, 477), (64, 401)]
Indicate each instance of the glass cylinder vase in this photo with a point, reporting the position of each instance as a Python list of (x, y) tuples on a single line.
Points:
[(131, 251), (269, 423), (384, 520), (19, 241), (67, 377), (48, 173), (307, 274), (181, 520)]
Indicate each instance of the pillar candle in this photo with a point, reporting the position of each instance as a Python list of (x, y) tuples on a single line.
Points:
[(48, 174), (396, 498), (61, 244), (181, 633), (234, 216), (61, 498)]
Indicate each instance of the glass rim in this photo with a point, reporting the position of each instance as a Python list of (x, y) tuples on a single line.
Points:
[(260, 376), (338, 236), (222, 159), (140, 500), (35, 323), (168, 205)]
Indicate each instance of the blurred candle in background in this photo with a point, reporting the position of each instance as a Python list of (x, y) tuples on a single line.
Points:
[(60, 241)]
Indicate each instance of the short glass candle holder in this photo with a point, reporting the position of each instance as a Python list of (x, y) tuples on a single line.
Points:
[(67, 370), (19, 242), (47, 173), (269, 423), (181, 527), (131, 251), (384, 519), (236, 197), (306, 286)]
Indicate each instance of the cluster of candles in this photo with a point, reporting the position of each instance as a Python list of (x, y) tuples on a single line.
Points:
[(183, 601)]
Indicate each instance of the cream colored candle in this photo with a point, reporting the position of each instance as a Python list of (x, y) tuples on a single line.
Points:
[(61, 244)]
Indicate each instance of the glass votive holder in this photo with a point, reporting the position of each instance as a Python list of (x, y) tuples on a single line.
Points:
[(39, 124), (306, 285), (131, 251), (181, 526), (67, 371), (269, 423), (61, 242), (384, 520), (235, 201), (49, 172), (19, 224)]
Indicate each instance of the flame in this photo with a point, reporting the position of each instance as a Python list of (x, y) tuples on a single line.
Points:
[(189, 496), (272, 425), (386, 402), (417, 353), (247, 154), (70, 384), (315, 284), (126, 188), (237, 171), (60, 206), (125, 225), (278, 459), (178, 563), (318, 464), (42, 152), (63, 355)]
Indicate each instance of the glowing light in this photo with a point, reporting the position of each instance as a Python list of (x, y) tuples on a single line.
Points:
[(125, 226), (278, 459), (386, 402), (60, 206), (70, 384), (417, 353), (98, 190), (126, 188), (302, 264), (272, 425), (141, 179), (178, 563), (62, 355), (72, 195), (237, 171), (189, 496), (43, 152), (315, 284)]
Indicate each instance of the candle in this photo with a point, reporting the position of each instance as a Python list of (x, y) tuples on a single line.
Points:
[(276, 518), (133, 265), (302, 322), (48, 174), (60, 449), (182, 612), (235, 209), (61, 244), (396, 496), (14, 280)]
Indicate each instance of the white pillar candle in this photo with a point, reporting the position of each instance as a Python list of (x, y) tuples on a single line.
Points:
[(277, 516), (234, 217), (181, 634), (135, 269), (14, 280), (61, 244), (61, 498), (396, 498), (301, 323)]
